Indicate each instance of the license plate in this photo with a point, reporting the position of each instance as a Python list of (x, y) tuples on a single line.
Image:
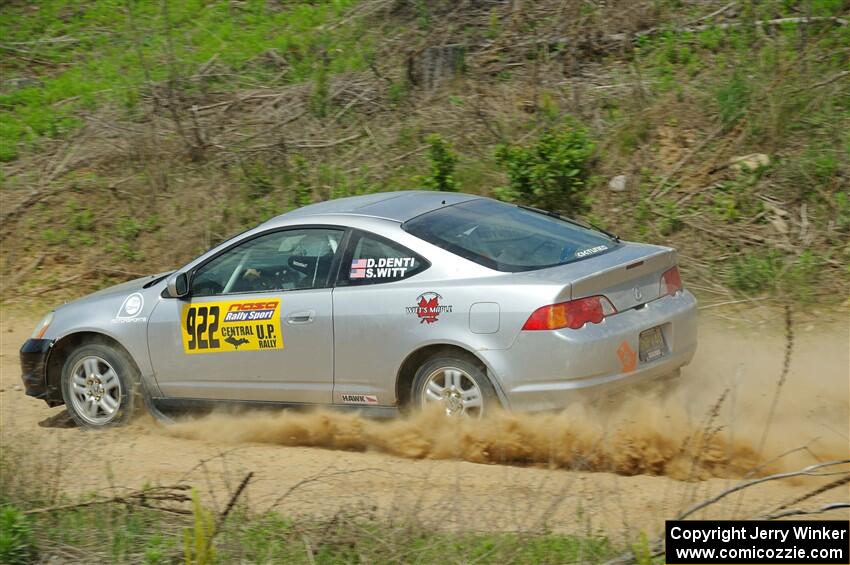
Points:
[(651, 345)]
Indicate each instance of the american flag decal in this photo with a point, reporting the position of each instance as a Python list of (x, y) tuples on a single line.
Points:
[(358, 269)]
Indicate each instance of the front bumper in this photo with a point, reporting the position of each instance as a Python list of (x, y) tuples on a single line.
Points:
[(547, 370), (33, 364)]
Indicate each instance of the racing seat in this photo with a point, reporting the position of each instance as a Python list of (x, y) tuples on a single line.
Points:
[(313, 259)]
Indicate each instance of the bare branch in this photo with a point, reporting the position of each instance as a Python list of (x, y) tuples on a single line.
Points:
[(141, 497), (809, 512), (810, 471)]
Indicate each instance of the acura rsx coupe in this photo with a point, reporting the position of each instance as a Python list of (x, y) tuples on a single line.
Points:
[(379, 302)]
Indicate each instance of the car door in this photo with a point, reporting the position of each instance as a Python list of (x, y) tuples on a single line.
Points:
[(375, 323), (258, 323)]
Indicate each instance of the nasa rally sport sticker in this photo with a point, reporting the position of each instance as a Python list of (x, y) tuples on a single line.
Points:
[(130, 309), (235, 325)]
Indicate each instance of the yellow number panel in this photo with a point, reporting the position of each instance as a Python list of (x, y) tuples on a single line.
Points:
[(238, 325)]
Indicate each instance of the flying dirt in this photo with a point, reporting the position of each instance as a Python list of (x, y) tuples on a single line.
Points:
[(622, 463), (713, 422)]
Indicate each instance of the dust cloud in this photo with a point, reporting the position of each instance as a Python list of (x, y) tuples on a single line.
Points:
[(712, 422)]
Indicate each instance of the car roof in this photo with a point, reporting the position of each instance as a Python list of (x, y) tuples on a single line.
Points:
[(399, 206)]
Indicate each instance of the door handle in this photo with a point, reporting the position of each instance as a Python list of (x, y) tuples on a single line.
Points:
[(304, 317)]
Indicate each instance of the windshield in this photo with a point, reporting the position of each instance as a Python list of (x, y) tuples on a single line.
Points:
[(506, 237)]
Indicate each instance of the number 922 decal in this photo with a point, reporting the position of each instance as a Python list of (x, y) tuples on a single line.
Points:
[(243, 325)]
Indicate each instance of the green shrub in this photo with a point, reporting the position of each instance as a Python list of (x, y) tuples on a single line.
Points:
[(671, 218), (553, 173), (732, 99), (442, 160), (752, 272), (320, 98), (128, 228), (842, 216), (17, 544), (302, 190)]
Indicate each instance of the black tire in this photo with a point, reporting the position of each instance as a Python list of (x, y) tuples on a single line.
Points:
[(94, 392), (471, 369)]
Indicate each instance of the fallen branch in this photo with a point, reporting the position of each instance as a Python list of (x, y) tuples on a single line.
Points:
[(321, 475), (236, 494), (322, 144), (810, 471), (820, 490), (656, 549), (230, 504), (54, 286), (139, 498), (61, 282), (729, 302), (733, 25), (826, 82), (821, 510)]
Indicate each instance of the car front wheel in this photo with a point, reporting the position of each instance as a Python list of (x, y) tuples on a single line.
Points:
[(456, 385), (99, 386)]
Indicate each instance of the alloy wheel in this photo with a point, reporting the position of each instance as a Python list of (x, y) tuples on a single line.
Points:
[(95, 390), (454, 391)]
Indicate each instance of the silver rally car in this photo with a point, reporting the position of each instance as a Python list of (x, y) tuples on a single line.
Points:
[(378, 302)]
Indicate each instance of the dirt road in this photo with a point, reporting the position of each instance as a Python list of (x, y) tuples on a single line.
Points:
[(643, 458)]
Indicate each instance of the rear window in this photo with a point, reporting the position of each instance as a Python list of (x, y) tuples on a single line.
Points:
[(506, 237)]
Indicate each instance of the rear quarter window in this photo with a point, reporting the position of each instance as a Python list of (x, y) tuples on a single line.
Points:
[(506, 237), (372, 259)]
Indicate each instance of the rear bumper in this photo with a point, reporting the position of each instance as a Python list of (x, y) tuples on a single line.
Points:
[(547, 370), (33, 362)]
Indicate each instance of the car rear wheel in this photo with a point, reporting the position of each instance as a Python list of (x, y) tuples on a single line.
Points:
[(455, 385), (99, 386)]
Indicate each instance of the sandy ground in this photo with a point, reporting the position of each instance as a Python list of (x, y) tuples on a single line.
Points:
[(646, 456)]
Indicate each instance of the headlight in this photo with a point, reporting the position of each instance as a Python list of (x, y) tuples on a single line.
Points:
[(41, 328)]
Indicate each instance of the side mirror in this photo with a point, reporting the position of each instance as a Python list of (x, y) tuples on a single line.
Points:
[(177, 285)]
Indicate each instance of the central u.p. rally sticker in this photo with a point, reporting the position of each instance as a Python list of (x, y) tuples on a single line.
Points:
[(237, 325)]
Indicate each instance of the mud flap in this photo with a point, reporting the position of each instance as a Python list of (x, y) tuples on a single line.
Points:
[(148, 395)]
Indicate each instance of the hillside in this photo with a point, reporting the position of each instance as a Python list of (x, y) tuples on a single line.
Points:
[(134, 135)]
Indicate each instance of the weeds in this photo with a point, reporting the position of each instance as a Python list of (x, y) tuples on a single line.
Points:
[(442, 160), (96, 62), (552, 173), (133, 533), (732, 99), (274, 94), (197, 540), (17, 542)]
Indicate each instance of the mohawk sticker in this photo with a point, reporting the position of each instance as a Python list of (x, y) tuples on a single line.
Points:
[(359, 399), (428, 308), (236, 325), (383, 268)]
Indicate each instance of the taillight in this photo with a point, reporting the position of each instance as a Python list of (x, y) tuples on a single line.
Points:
[(671, 282), (573, 314)]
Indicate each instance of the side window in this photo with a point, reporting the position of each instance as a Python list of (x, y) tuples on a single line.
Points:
[(285, 260), (373, 259)]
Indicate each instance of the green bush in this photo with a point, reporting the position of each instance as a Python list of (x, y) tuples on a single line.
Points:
[(732, 99), (17, 544), (553, 173), (442, 160), (755, 272)]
